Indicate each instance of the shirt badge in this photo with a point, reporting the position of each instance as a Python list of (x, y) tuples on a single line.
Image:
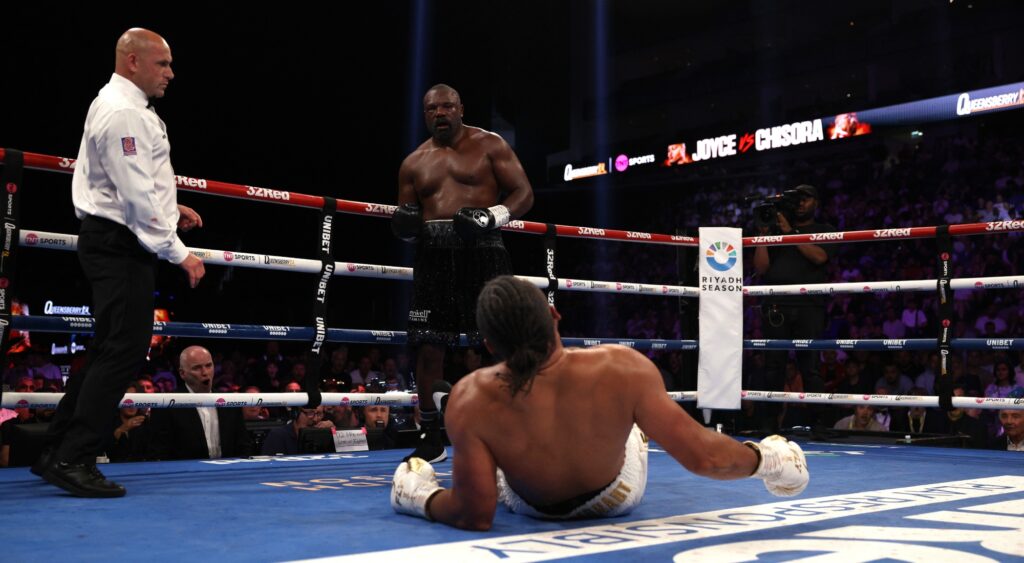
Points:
[(128, 146)]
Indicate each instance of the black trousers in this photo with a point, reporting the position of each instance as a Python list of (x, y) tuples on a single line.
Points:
[(791, 323), (121, 273)]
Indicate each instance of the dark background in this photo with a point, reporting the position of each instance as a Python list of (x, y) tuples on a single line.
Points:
[(325, 100)]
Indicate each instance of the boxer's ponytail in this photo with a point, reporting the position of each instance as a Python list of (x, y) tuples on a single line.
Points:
[(514, 317)]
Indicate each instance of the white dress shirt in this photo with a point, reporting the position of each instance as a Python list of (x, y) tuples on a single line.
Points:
[(211, 428), (124, 173)]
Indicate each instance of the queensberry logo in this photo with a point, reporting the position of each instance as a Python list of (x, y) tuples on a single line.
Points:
[(721, 256)]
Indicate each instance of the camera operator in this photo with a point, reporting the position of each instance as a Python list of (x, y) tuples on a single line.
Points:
[(791, 316)]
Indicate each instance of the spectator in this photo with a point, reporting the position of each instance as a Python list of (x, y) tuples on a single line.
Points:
[(917, 420), (394, 380), (914, 319), (285, 439), (363, 374), (862, 419), (1013, 432), (926, 379), (896, 382), (960, 422), (1003, 384), (254, 413), (198, 433), (144, 384), (893, 326), (379, 433), (39, 365), (991, 316), (344, 417), (882, 415), (131, 434)]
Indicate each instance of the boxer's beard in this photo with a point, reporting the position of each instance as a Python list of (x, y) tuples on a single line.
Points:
[(443, 134)]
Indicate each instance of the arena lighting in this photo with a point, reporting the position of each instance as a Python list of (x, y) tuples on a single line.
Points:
[(601, 133), (419, 49)]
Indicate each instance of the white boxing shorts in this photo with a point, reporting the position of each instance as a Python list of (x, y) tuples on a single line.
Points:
[(620, 497)]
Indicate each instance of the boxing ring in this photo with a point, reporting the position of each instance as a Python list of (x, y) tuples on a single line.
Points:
[(863, 503), (914, 504)]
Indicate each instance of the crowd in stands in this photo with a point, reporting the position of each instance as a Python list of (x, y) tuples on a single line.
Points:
[(941, 180), (239, 370)]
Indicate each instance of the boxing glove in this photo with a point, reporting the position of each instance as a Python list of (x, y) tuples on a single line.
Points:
[(782, 466), (472, 221), (406, 221), (412, 487)]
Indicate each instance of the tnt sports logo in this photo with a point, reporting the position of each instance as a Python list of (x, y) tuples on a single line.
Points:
[(351, 267), (21, 404), (12, 187), (228, 256), (220, 401), (979, 284), (621, 163), (721, 256), (31, 239), (127, 404)]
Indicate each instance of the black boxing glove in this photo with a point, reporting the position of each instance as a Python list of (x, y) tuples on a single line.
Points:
[(406, 221), (472, 221)]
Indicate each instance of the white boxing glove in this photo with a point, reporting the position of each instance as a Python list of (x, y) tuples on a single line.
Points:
[(782, 466), (413, 486)]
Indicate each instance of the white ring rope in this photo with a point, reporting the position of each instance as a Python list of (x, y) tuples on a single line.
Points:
[(59, 241), (402, 399)]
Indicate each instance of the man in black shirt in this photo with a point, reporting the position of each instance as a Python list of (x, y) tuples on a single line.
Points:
[(794, 316)]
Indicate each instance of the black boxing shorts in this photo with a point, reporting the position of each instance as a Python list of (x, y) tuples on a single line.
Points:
[(448, 276)]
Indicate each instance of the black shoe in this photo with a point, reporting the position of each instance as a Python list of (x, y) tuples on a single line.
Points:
[(82, 480), (43, 463), (430, 448)]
